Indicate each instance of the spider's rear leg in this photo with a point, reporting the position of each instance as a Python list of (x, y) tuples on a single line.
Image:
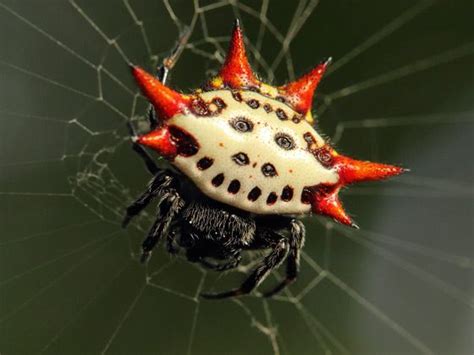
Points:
[(271, 261), (296, 240), (168, 208), (170, 242)]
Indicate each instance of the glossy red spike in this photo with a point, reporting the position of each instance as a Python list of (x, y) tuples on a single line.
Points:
[(167, 102), (300, 93), (351, 170), (326, 202), (160, 141), (236, 71)]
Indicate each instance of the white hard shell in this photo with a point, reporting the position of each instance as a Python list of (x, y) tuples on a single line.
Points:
[(219, 141)]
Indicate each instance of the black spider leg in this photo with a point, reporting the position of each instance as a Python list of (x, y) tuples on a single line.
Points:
[(271, 261), (170, 239), (168, 208), (296, 240), (231, 263), (157, 185)]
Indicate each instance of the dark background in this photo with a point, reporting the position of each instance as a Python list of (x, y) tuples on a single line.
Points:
[(400, 91)]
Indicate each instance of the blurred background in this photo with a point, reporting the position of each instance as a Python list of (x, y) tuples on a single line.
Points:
[(399, 91)]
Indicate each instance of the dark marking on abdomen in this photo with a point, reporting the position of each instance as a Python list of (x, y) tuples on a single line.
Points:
[(272, 198), (287, 193), (254, 194), (306, 196), (234, 186), (237, 96), (281, 114), (219, 103), (186, 144), (205, 163), (218, 180), (253, 103), (324, 156), (269, 170), (267, 108), (241, 158)]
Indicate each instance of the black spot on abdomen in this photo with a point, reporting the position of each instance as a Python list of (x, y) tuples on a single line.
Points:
[(272, 198), (186, 144), (287, 193), (218, 180), (306, 196), (234, 186), (267, 108), (253, 103), (237, 96), (269, 170), (219, 103), (254, 194), (241, 159), (205, 163), (281, 114)]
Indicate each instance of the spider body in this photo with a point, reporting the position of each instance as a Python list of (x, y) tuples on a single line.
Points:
[(248, 163)]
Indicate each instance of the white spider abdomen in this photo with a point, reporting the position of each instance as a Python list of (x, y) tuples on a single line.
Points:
[(248, 169)]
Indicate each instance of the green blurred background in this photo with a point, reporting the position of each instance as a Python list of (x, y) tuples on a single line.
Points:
[(400, 90)]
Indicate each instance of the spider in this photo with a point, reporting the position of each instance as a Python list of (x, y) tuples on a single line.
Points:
[(245, 164)]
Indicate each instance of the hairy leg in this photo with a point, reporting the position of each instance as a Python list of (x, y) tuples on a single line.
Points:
[(271, 261), (160, 183), (170, 240), (296, 241), (168, 209)]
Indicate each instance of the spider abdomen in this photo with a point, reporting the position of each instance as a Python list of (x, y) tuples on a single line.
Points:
[(248, 147)]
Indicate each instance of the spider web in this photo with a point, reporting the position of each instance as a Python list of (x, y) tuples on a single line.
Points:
[(398, 91)]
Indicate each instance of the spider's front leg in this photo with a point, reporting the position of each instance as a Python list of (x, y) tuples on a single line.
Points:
[(160, 183), (168, 209), (163, 187), (280, 247), (296, 240)]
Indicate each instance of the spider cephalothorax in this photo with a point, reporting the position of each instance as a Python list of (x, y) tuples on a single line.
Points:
[(252, 147)]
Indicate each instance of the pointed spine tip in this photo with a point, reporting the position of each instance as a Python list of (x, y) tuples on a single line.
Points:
[(166, 101), (355, 226), (161, 141), (135, 69), (300, 93), (236, 71), (327, 61), (352, 170)]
